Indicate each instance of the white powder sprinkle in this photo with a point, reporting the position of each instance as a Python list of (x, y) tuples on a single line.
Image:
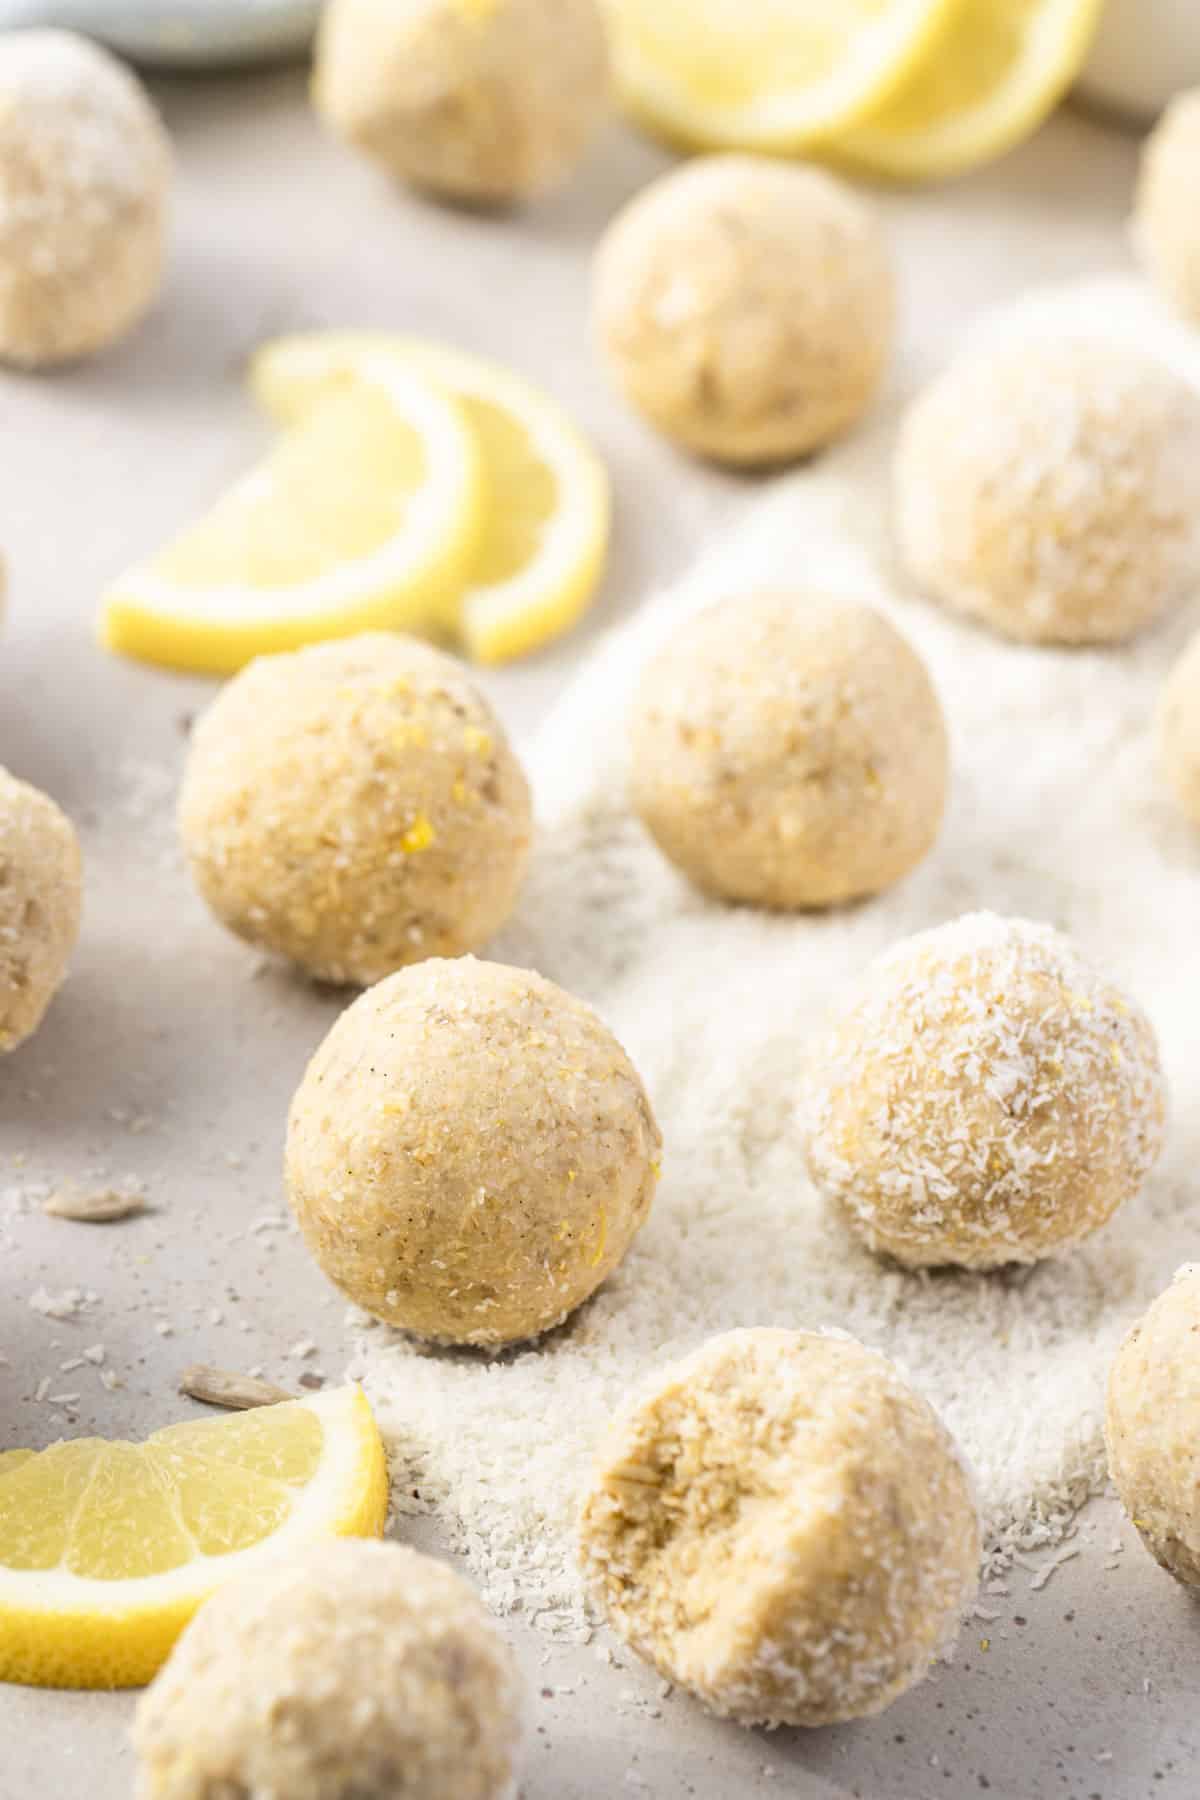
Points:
[(67, 1305), (1057, 814)]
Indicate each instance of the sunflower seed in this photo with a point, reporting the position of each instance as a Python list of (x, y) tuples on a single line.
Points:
[(221, 1387), (97, 1208)]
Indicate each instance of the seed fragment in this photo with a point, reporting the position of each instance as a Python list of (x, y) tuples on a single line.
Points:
[(99, 1207), (223, 1387)]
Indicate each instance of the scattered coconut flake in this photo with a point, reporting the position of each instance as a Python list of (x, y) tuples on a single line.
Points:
[(67, 1305)]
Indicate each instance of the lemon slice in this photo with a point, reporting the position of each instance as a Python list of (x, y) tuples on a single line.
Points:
[(775, 75), (996, 71), (108, 1548), (544, 541), (364, 517)]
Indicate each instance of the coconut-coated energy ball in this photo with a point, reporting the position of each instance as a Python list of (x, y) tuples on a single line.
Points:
[(354, 807), (789, 750), (783, 1527), (1179, 731), (1153, 1427), (1165, 227), (985, 1095), (85, 177), (485, 101), (746, 307), (40, 904), (470, 1153), (1051, 489), (355, 1670)]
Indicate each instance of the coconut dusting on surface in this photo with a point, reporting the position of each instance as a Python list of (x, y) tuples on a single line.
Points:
[(1057, 814)]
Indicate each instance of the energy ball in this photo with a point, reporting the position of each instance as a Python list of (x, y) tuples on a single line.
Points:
[(40, 904), (355, 807), (1051, 489), (1179, 731), (1165, 228), (485, 101), (470, 1153), (85, 177), (746, 307), (1153, 1427), (789, 750), (985, 1096), (355, 1670), (782, 1527)]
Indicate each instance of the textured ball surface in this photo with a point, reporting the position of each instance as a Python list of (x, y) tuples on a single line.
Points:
[(985, 1096), (746, 307), (1165, 227), (1179, 731), (353, 1671), (1153, 1427), (780, 1525), (85, 176), (355, 807), (470, 1153), (40, 904), (479, 100), (1052, 490), (789, 750)]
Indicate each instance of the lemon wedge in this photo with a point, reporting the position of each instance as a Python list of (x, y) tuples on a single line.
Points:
[(108, 1548), (543, 544), (996, 70), (715, 74), (364, 517)]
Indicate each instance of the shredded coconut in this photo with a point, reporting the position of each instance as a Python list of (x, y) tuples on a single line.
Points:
[(1057, 814)]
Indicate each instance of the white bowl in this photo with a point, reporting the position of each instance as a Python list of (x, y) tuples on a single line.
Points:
[(1146, 52), (178, 33)]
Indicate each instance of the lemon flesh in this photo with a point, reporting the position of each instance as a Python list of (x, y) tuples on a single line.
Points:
[(995, 72), (543, 542), (364, 517), (777, 76), (107, 1548)]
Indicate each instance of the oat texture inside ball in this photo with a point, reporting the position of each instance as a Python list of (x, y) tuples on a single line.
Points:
[(782, 1527)]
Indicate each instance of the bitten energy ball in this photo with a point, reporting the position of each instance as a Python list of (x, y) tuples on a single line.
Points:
[(85, 176), (1165, 227), (479, 100), (40, 902), (1052, 490), (789, 750), (354, 1671), (746, 307), (470, 1153), (1153, 1427), (780, 1525), (1179, 731), (355, 807), (985, 1096)]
